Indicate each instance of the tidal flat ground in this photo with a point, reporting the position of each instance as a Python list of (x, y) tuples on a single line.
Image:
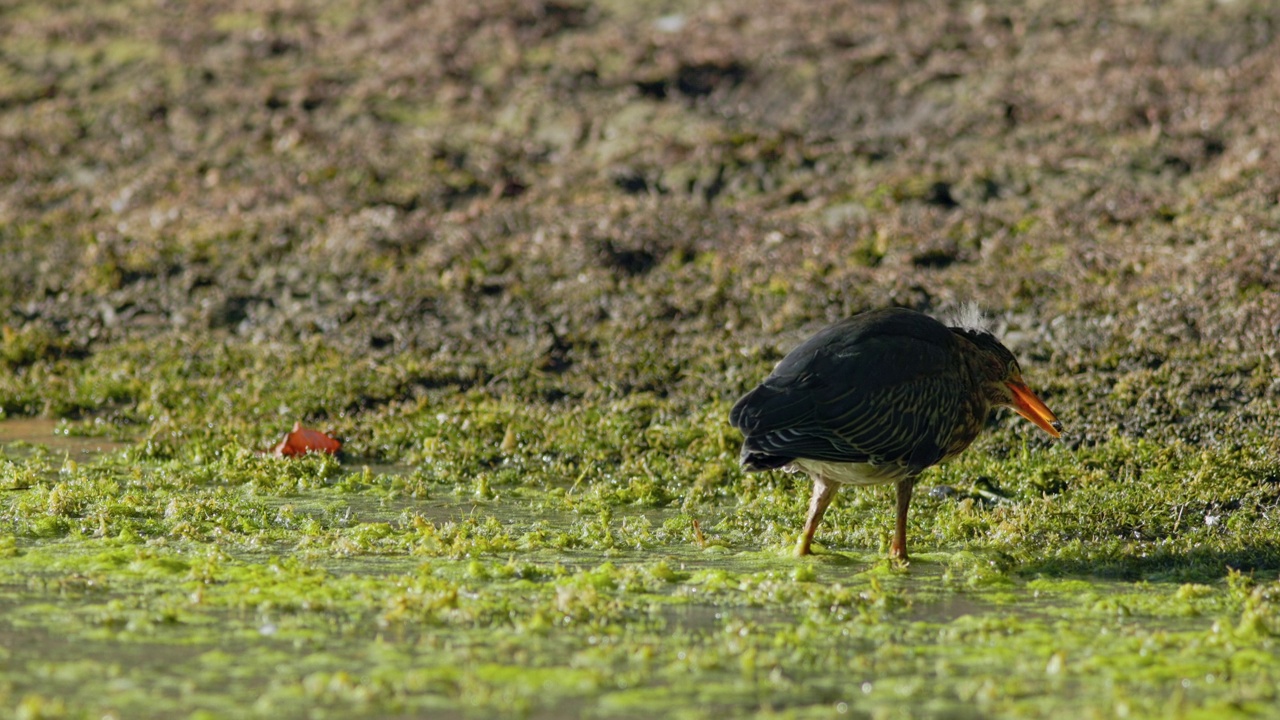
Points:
[(522, 256)]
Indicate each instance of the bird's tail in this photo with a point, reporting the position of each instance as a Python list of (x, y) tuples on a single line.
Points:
[(755, 460)]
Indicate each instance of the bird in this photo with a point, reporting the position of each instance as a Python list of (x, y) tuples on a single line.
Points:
[(877, 398)]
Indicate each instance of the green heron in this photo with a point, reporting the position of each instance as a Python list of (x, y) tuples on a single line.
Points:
[(876, 399)]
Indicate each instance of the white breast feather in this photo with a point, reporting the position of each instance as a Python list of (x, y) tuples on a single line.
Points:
[(850, 473)]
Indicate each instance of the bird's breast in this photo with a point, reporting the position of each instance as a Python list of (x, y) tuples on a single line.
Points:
[(973, 417), (852, 473)]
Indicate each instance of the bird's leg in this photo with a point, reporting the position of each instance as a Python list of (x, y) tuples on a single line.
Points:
[(898, 548), (823, 492)]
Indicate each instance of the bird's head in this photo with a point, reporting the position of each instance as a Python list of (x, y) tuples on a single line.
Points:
[(1002, 381)]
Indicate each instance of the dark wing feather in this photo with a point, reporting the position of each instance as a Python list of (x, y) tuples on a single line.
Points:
[(879, 389)]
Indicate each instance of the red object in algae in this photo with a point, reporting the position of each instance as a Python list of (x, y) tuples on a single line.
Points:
[(302, 440)]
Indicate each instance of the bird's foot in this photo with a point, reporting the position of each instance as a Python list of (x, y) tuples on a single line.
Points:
[(803, 547), (898, 555)]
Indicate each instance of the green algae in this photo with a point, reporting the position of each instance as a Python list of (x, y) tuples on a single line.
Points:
[(521, 266), (207, 578)]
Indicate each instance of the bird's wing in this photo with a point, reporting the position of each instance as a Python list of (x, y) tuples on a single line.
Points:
[(879, 399)]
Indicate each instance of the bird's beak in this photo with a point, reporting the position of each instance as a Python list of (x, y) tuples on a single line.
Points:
[(1032, 408)]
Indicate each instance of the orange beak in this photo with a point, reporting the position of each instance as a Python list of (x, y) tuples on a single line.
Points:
[(1032, 408)]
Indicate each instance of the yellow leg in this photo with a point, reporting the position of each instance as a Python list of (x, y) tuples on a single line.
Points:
[(823, 492)]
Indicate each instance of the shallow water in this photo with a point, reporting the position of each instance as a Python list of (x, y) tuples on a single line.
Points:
[(17, 434), (349, 597)]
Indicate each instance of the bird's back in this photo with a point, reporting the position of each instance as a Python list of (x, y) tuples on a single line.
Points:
[(882, 387)]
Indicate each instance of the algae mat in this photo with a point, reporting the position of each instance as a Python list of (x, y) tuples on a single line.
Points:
[(243, 585), (521, 256)]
